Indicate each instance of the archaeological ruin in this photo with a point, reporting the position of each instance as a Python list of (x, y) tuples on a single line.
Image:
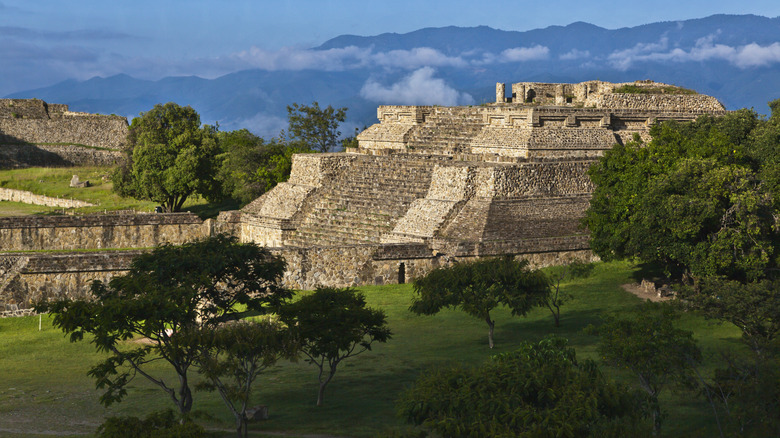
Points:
[(425, 187)]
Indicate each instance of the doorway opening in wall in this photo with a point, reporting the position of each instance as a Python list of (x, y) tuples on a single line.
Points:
[(401, 273)]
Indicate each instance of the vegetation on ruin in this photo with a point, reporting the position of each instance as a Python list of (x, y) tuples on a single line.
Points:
[(652, 89), (51, 377)]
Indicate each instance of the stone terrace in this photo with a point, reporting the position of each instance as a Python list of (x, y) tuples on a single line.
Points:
[(358, 207)]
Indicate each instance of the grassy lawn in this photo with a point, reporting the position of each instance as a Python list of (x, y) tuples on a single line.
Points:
[(44, 384), (55, 182)]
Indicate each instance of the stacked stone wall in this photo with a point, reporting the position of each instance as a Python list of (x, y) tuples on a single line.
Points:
[(25, 155), (35, 233), (91, 130), (662, 102), (26, 197)]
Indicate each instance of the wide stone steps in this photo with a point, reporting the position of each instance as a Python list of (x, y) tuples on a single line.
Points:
[(364, 202)]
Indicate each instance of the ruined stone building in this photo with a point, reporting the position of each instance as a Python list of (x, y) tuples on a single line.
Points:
[(426, 186)]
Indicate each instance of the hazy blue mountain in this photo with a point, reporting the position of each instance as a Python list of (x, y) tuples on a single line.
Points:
[(707, 54)]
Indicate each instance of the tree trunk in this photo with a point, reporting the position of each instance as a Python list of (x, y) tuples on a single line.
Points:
[(321, 394), (655, 409), (242, 428), (491, 326)]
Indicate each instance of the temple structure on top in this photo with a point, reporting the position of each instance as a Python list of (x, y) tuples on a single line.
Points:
[(428, 182)]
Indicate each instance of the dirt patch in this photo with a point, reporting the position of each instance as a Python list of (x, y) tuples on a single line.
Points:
[(643, 293)]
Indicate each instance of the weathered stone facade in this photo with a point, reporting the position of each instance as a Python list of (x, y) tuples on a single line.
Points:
[(426, 186), (35, 133)]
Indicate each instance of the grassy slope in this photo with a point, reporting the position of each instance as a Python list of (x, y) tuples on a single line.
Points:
[(55, 182), (359, 401)]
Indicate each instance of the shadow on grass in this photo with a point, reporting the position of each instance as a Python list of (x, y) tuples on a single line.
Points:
[(212, 210)]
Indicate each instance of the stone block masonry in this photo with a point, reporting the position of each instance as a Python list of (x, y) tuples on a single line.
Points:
[(31, 198), (426, 187), (33, 132), (37, 233)]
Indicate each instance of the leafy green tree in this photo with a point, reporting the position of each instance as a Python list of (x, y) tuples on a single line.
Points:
[(693, 200), (647, 343), (332, 325), (539, 390), (169, 158), (236, 354), (314, 127), (250, 166), (169, 297), (745, 392), (753, 307), (480, 286), (559, 274)]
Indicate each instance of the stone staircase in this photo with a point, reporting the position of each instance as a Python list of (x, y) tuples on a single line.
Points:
[(446, 132), (363, 202), (10, 268)]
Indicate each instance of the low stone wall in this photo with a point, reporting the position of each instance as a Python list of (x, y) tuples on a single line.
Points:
[(26, 197), (35, 233), (664, 102), (26, 155), (91, 130), (45, 276)]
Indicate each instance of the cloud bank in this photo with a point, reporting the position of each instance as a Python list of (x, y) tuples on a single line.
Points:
[(746, 56), (418, 88)]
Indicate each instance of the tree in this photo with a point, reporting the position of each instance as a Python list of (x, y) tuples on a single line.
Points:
[(169, 297), (647, 343), (692, 200), (558, 274), (314, 127), (332, 325), (250, 166), (539, 390), (479, 286), (169, 158), (747, 387), (236, 354)]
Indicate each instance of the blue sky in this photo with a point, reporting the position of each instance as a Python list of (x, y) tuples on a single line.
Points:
[(46, 41)]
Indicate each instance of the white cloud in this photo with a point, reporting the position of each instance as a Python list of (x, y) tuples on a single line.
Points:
[(416, 58), (518, 54), (747, 56), (515, 54), (575, 54), (419, 88)]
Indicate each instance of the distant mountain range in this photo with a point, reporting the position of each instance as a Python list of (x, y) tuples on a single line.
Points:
[(735, 58)]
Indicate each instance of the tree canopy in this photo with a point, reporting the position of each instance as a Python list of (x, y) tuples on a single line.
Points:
[(477, 287), (698, 199), (169, 158), (332, 325), (647, 343), (250, 166), (539, 390), (169, 298), (314, 127)]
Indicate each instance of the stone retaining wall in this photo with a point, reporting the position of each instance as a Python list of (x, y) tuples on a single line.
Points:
[(26, 197), (35, 233), (90, 130), (26, 155), (49, 276)]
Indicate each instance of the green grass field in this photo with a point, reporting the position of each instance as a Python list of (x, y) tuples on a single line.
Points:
[(55, 182), (44, 387)]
